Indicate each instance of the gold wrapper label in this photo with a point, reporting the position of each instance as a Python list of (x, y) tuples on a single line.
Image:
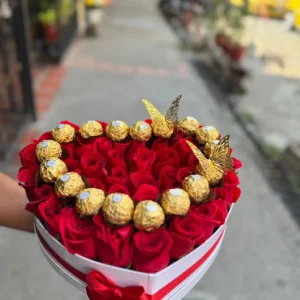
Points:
[(118, 209), (175, 202), (206, 134), (69, 185), (89, 201), (117, 130), (141, 131), (90, 129), (47, 149), (63, 133), (188, 125), (51, 169), (197, 187), (148, 216)]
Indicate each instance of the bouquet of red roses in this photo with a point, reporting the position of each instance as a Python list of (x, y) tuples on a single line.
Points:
[(131, 212)]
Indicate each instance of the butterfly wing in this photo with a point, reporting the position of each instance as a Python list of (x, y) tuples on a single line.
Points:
[(172, 113), (221, 158), (155, 115), (203, 161)]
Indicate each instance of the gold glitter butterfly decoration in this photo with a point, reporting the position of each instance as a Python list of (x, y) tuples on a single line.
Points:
[(171, 117), (220, 160)]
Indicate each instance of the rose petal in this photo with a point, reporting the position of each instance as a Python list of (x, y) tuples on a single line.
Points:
[(146, 192)]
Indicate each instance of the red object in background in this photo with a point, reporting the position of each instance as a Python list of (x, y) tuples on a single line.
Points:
[(236, 52), (51, 32)]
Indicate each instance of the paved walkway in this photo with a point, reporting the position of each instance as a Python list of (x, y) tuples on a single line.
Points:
[(137, 56)]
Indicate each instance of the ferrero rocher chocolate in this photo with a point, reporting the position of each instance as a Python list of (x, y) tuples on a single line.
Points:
[(117, 130), (47, 149), (69, 185), (188, 125), (118, 208), (206, 134), (197, 187), (211, 174), (162, 130), (89, 202), (63, 133), (52, 168), (175, 202), (90, 129), (141, 131), (210, 147), (148, 216)]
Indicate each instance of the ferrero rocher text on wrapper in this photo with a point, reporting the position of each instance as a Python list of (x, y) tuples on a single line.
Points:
[(131, 211)]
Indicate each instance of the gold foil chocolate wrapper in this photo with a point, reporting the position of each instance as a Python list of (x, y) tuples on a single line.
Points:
[(89, 202), (188, 125), (211, 174), (141, 131), (118, 209), (206, 134), (197, 187), (69, 185), (90, 129), (175, 202), (63, 133), (47, 149), (210, 147), (148, 216), (52, 168), (162, 130), (117, 130)]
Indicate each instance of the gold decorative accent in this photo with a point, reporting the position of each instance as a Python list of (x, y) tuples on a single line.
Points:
[(197, 187), (188, 125), (117, 130), (141, 131), (47, 149), (69, 185), (90, 129), (175, 202), (52, 168), (63, 133)]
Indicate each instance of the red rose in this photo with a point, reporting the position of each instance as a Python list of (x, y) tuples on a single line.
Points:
[(144, 159), (118, 188), (28, 175), (237, 164), (146, 192), (236, 194), (72, 164), (221, 195), (115, 160), (152, 250), (92, 164), (187, 232), (164, 157), (113, 245), (77, 234), (121, 148), (142, 177), (183, 151), (167, 178), (193, 161), (160, 143), (27, 156), (104, 124), (79, 152), (68, 150), (132, 149), (50, 212), (96, 183), (230, 184), (118, 176), (102, 145), (182, 173), (40, 195)]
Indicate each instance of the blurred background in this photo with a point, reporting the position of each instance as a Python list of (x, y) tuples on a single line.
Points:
[(237, 65)]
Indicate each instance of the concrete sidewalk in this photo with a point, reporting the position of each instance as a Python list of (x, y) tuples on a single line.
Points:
[(137, 57)]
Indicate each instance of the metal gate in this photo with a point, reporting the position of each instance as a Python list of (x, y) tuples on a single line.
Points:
[(16, 92)]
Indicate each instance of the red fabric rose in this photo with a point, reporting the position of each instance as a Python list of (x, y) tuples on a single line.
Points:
[(68, 150), (164, 157), (100, 287), (221, 195), (132, 149), (92, 164), (121, 148), (183, 151), (152, 250), (237, 164), (167, 178), (72, 164), (40, 195), (230, 184), (115, 160), (142, 177), (50, 212), (118, 188), (188, 232), (102, 145), (160, 143), (236, 195), (27, 156), (118, 176), (182, 173), (96, 183), (77, 235), (27, 175), (79, 152), (146, 192), (113, 245), (144, 159)]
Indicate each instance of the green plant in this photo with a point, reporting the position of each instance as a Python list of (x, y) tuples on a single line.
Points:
[(47, 17), (272, 152)]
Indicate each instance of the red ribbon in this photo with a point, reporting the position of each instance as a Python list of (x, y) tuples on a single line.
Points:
[(99, 287)]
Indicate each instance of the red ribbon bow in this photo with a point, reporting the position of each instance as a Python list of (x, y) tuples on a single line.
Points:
[(99, 287)]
